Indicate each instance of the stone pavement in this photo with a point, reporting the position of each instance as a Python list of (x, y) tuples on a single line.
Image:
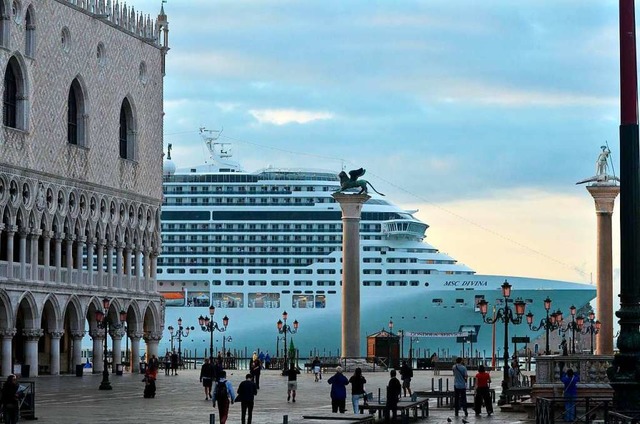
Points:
[(180, 399)]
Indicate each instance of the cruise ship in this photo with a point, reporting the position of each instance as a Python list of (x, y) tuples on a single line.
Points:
[(256, 244)]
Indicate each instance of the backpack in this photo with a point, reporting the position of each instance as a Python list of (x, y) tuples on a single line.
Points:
[(221, 391)]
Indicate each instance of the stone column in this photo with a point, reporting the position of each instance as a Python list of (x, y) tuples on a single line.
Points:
[(33, 250), (80, 241), (69, 245), (7, 335), (110, 272), (54, 367), (90, 246), (116, 336), (351, 205), (152, 339), (100, 264), (135, 349), (137, 255), (46, 255), (11, 230), (604, 197), (77, 337), (119, 268), (58, 264), (23, 253), (98, 350), (31, 349)]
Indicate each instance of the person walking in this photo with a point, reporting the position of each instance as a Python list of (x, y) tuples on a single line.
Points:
[(167, 363), (394, 390), (317, 368), (570, 381), (10, 400), (460, 387), (406, 373), (256, 367), (338, 390), (153, 366), (206, 378), (357, 382), (267, 360), (292, 381), (174, 363), (247, 390), (483, 394), (223, 395)]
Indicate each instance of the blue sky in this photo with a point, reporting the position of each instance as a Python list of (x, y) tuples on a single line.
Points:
[(483, 115)]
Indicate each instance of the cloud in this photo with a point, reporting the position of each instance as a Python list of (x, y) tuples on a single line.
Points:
[(288, 116)]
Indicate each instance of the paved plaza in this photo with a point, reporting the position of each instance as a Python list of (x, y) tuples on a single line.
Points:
[(180, 399)]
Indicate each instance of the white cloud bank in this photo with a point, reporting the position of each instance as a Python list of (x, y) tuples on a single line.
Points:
[(288, 116)]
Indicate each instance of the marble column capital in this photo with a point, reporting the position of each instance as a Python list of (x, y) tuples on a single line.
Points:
[(97, 334), (77, 335), (23, 232), (152, 336), (135, 335), (34, 234), (33, 334), (69, 237), (81, 239), (351, 204), (11, 229), (90, 241), (117, 333), (604, 197), (56, 334), (8, 332), (47, 235)]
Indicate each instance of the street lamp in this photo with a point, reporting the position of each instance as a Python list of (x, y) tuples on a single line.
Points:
[(505, 315), (550, 323), (573, 326), (591, 329), (179, 333), (103, 322), (390, 339), (284, 328), (209, 325)]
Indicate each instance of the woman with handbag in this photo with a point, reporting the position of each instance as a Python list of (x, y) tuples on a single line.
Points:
[(357, 382)]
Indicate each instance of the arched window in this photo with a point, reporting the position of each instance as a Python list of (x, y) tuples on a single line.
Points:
[(10, 106), (30, 34), (76, 115), (127, 131)]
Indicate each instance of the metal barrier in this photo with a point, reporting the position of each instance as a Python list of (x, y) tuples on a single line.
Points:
[(587, 409), (614, 417)]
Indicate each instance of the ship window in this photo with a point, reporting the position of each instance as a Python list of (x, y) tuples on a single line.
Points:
[(459, 300), (302, 301), (228, 300), (438, 301), (264, 300), (216, 283), (321, 301), (332, 292), (198, 298)]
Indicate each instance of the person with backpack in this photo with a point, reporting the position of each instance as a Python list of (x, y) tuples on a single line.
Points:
[(460, 387), (223, 395), (247, 390), (406, 373)]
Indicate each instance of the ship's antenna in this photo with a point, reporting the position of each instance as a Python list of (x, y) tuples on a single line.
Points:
[(610, 159), (169, 152), (210, 137)]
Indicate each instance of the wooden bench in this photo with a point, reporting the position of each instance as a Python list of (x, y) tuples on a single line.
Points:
[(342, 418), (404, 408)]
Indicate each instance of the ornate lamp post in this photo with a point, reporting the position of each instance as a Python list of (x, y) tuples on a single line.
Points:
[(505, 315), (284, 328), (179, 333), (390, 339), (591, 329), (209, 325), (103, 322), (573, 326), (550, 323)]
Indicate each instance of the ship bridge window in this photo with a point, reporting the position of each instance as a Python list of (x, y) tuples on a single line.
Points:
[(437, 301), (228, 300), (264, 300), (302, 301)]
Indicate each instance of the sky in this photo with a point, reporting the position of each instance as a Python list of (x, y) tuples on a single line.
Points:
[(480, 114)]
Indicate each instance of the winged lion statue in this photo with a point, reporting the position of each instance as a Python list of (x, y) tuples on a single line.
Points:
[(351, 181)]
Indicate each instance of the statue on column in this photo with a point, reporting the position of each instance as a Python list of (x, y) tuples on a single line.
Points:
[(352, 181), (602, 170)]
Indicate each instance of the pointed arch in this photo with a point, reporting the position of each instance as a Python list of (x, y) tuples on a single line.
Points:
[(16, 94), (51, 311), (127, 132), (77, 113), (7, 314), (30, 32), (4, 23)]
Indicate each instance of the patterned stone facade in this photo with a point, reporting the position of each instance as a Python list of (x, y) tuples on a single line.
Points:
[(79, 221)]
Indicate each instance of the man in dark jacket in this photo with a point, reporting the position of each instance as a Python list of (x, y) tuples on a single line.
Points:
[(206, 378), (338, 390), (247, 390), (406, 373), (10, 402), (394, 390)]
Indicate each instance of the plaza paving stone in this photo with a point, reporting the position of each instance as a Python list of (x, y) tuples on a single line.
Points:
[(180, 399)]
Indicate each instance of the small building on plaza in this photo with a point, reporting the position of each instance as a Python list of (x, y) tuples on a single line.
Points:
[(80, 181)]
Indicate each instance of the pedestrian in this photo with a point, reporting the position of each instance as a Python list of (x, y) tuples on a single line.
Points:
[(338, 390), (149, 384), (317, 368), (394, 390), (292, 381), (153, 366), (256, 367), (10, 400), (218, 369), (570, 381), (267, 360), (514, 374), (254, 356), (174, 363), (483, 379), (357, 382), (247, 390), (223, 395), (406, 373), (206, 378), (460, 387), (261, 357), (167, 363)]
